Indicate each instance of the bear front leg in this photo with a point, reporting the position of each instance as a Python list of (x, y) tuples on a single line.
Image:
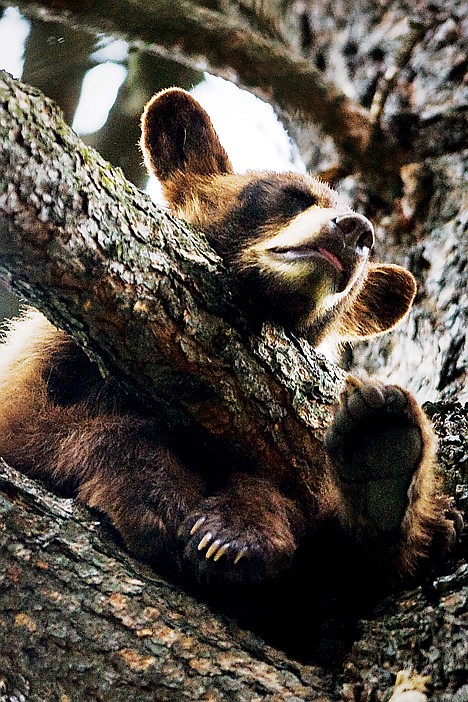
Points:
[(246, 534), (123, 467), (382, 448)]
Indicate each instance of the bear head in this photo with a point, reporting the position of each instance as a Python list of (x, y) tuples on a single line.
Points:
[(300, 252)]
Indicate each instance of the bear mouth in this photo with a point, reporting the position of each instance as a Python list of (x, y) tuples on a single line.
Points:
[(340, 265), (301, 252), (329, 253)]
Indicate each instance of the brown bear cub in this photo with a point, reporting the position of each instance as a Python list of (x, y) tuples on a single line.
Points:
[(303, 258)]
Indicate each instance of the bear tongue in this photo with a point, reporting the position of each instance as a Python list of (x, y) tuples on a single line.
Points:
[(334, 260)]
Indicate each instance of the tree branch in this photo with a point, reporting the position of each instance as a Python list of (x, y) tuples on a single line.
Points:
[(81, 618), (132, 284), (228, 46), (149, 299)]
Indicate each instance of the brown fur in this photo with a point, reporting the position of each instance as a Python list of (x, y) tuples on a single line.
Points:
[(302, 258)]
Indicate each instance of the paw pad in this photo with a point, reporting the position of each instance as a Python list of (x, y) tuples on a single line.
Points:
[(375, 443)]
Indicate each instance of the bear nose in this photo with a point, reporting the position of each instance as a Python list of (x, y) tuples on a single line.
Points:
[(357, 231)]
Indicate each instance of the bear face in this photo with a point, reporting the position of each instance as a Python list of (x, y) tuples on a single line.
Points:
[(302, 254)]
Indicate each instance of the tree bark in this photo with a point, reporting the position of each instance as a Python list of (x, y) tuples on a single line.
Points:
[(82, 620), (201, 36), (424, 630), (420, 50), (147, 297)]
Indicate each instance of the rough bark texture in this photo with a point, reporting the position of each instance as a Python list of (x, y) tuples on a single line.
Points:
[(405, 63), (80, 619), (226, 44), (198, 34), (408, 60), (429, 353)]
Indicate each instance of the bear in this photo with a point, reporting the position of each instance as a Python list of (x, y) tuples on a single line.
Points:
[(302, 259)]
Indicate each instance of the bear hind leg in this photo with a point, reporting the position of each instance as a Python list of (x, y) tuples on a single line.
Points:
[(382, 448)]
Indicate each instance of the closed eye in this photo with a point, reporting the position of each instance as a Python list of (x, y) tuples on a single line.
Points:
[(299, 200)]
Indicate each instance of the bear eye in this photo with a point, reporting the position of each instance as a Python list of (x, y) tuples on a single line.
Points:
[(299, 200)]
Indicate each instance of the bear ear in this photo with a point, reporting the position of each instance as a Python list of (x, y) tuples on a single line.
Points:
[(177, 136), (384, 299)]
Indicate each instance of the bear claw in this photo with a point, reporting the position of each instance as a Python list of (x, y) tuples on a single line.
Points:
[(221, 551), (197, 525), (217, 548), (205, 541), (223, 545), (213, 548)]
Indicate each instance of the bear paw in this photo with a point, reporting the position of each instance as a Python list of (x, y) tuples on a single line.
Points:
[(223, 543), (376, 445)]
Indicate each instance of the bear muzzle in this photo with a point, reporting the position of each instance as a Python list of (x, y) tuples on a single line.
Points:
[(339, 250)]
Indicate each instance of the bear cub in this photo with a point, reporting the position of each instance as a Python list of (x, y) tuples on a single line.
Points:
[(302, 258)]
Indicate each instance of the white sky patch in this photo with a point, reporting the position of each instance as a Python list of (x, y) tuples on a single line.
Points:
[(247, 127), (110, 50), (14, 30), (98, 93)]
